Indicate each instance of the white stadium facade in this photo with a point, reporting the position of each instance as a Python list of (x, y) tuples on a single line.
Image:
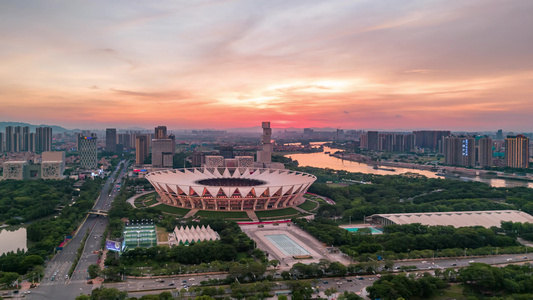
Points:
[(231, 188)]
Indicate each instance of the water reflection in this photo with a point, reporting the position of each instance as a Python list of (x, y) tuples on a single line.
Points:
[(322, 160), (12, 239)]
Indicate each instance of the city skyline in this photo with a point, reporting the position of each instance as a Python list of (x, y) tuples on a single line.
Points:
[(454, 65)]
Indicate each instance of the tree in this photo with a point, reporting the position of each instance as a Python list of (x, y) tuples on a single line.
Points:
[(108, 294), (330, 291), (93, 271), (83, 297), (285, 275)]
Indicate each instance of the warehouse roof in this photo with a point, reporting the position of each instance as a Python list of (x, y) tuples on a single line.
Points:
[(457, 218)]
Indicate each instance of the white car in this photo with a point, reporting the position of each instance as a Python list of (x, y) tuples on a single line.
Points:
[(191, 279)]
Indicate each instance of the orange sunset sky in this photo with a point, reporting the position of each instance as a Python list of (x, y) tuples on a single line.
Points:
[(387, 65)]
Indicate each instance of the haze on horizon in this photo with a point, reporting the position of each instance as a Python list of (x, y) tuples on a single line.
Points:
[(390, 65)]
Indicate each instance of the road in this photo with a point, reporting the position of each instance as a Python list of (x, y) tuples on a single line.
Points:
[(56, 284)]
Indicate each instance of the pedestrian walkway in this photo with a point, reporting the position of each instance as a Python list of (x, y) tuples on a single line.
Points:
[(132, 199), (191, 213), (251, 214), (155, 204)]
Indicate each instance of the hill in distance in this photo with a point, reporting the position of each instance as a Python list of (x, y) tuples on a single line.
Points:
[(55, 128)]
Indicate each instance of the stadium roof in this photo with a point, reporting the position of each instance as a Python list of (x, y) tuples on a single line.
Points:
[(457, 218)]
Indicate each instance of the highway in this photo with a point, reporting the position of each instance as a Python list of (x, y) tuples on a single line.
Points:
[(56, 284)]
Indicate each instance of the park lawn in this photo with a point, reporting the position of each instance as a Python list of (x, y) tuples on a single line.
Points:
[(222, 214), (455, 291), (139, 201), (288, 211), (173, 210), (151, 202), (308, 205)]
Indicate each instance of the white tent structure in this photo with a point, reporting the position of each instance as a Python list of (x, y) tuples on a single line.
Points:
[(187, 235)]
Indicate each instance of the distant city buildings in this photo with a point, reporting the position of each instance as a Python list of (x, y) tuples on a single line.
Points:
[(430, 139), (87, 149), (20, 139), (163, 149), (111, 139), (517, 151), (52, 166), (399, 142)]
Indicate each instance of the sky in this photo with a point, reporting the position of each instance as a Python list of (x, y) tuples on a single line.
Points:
[(386, 65)]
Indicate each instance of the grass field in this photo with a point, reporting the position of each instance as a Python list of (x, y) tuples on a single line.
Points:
[(453, 292), (162, 234), (308, 205), (277, 213), (222, 214), (173, 210), (151, 201), (139, 201)]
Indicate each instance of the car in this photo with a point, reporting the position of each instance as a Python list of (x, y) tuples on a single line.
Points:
[(191, 279), (324, 282), (349, 280), (453, 265), (171, 284), (472, 261), (194, 284), (370, 278), (361, 278), (509, 259), (525, 257), (184, 281), (52, 279)]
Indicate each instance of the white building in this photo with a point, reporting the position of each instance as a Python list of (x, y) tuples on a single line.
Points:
[(187, 235)]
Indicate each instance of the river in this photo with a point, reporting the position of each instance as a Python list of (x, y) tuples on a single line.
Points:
[(12, 238), (322, 160)]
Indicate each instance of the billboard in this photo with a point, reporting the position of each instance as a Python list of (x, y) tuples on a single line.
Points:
[(113, 246)]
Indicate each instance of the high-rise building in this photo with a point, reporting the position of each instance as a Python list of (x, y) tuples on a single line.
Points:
[(32, 142), (373, 140), (265, 154), (125, 140), (111, 139), (2, 144), (87, 149), (141, 148), (9, 139), (499, 135), (25, 146), (162, 156), (459, 151), (484, 151), (43, 139), (161, 132), (517, 151), (430, 139)]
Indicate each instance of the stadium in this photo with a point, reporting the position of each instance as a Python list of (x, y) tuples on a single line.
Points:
[(231, 189)]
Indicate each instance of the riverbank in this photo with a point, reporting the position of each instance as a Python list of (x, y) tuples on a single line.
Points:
[(448, 169)]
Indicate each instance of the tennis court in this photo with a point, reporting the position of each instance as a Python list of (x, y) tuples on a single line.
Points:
[(286, 245)]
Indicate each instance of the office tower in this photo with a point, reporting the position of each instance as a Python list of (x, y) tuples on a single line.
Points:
[(111, 139), (9, 139), (265, 154), (162, 156), (198, 159), (459, 151), (517, 151), (161, 132), (2, 143), (43, 139), (499, 135), (141, 148), (87, 149), (484, 156), (373, 140), (430, 139)]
